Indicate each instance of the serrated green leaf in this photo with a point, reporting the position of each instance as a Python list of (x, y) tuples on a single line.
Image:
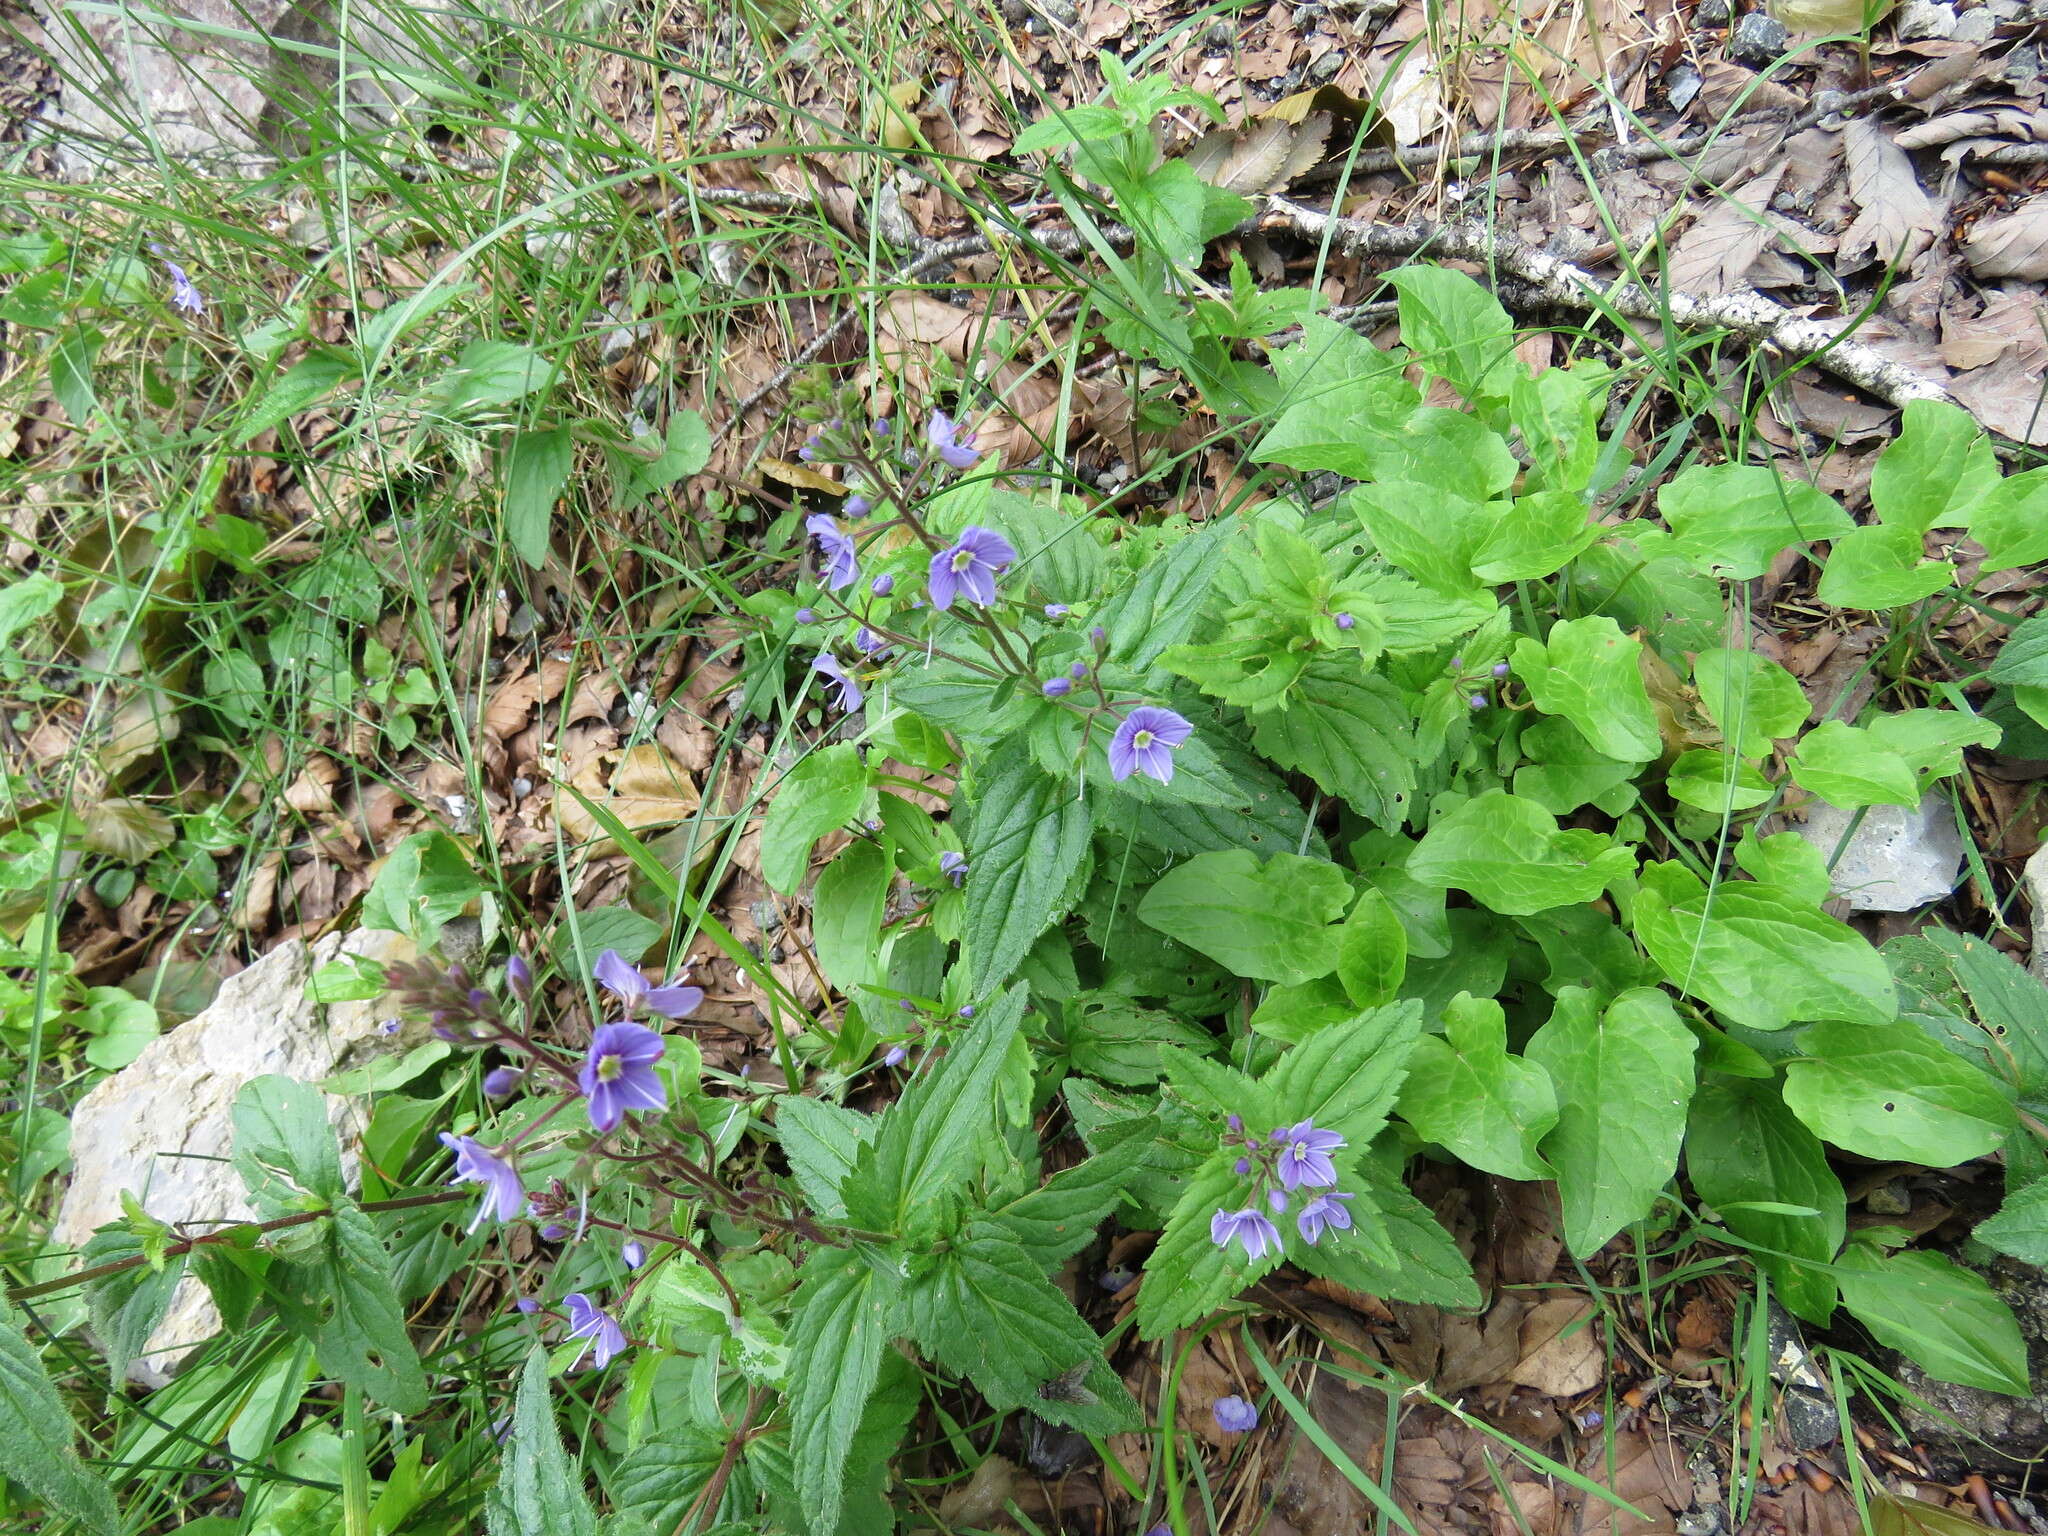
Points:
[(538, 1488), (1937, 470), (1758, 955), (36, 1434), (1744, 1149), (1346, 1079), (1352, 733), (1466, 1093), (821, 1142), (846, 1311), (1623, 1080), (1161, 606), (1887, 1091), (1938, 1314), (293, 391), (1187, 1276), (1025, 846), (1432, 1271), (127, 1307), (1510, 854), (822, 792), (662, 1478), (1112, 1038), (284, 1146), (2020, 1227), (1751, 698), (1731, 519), (1588, 672), (2022, 661), (1268, 920), (344, 1295)]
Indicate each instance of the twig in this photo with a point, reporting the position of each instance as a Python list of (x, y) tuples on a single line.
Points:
[(1767, 324)]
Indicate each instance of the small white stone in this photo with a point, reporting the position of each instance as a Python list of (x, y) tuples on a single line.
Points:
[(1899, 860)]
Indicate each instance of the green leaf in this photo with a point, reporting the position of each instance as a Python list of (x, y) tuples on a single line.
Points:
[(295, 390), (1623, 1080), (1467, 1094), (425, 881), (1743, 1148), (537, 466), (1716, 782), (1732, 519), (284, 1147), (1025, 846), (2012, 522), (1372, 951), (538, 1488), (2021, 1226), (1058, 1219), (1889, 1092), (2022, 661), (1456, 329), (662, 1478), (1758, 955), (1751, 698), (1187, 1276), (1340, 391), (1510, 854), (1881, 567), (1433, 534), (126, 1307), (1589, 673), (822, 1142), (1936, 471), (36, 1432), (846, 915), (683, 450), (1346, 1079), (1161, 606), (1849, 767), (1539, 534), (490, 372), (930, 1141), (1112, 1038), (820, 794), (1941, 1316), (122, 1026), (1266, 920), (1558, 414), (1350, 732), (1432, 1271), (1566, 772), (345, 1297), (846, 1311), (986, 1311), (1789, 862), (26, 599)]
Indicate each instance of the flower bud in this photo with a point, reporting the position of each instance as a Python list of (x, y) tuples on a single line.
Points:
[(1477, 701), (1501, 669), (527, 1305), (519, 978), (1056, 688), (967, 1011), (855, 505), (500, 1081), (806, 616), (1078, 670), (1345, 621), (634, 1253), (882, 586), (1056, 610)]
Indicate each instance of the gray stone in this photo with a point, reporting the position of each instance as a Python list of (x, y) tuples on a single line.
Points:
[(160, 1127), (1919, 20), (2036, 875), (1899, 860), (2015, 1427), (1758, 39), (1712, 13)]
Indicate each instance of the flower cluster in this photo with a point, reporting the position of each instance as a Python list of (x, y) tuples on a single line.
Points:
[(1283, 1167)]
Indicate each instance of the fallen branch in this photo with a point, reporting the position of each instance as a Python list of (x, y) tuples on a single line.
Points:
[(1823, 343)]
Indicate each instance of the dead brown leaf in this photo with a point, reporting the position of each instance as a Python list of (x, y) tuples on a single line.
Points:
[(1716, 253), (1561, 1352), (1898, 219), (2015, 245), (646, 788)]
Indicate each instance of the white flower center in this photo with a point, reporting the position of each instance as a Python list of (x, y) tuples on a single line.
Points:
[(962, 560), (1143, 740), (609, 1068)]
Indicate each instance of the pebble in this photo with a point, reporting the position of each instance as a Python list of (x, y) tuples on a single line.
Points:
[(1758, 40)]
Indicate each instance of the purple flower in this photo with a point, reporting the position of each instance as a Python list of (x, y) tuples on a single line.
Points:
[(849, 697), (619, 1074), (1078, 670), (1345, 620), (953, 445), (809, 452), (1477, 701), (1250, 1227), (1057, 688), (504, 1195), (1325, 1211), (527, 1305), (183, 295), (882, 586), (954, 867), (1305, 1156), (634, 1253), (842, 560), (519, 978), (1144, 743), (1056, 610), (553, 1232), (1501, 669), (1234, 1416), (1242, 1166), (807, 615), (893, 1057), (870, 643), (856, 505), (626, 983), (967, 1010), (883, 426), (969, 564), (500, 1081), (587, 1320)]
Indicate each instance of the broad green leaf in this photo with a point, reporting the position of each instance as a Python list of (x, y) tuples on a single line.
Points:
[(2012, 522), (1340, 392), (929, 1142), (1789, 862), (122, 1026), (1294, 1013), (1985, 1008), (1758, 955), (1557, 413), (662, 1478), (345, 1297), (1848, 767), (1588, 672), (986, 1310), (284, 1146), (1466, 1093), (2022, 661), (1883, 566), (1939, 1315), (1743, 1147), (1112, 1038), (1258, 812), (1537, 535), (293, 391), (1751, 698), (1056, 550), (1889, 1092), (1372, 951), (2021, 1226), (846, 915), (1731, 519), (1431, 1269), (1566, 772), (1352, 734), (846, 1311), (1637, 575), (1456, 328), (1025, 846), (1585, 948), (1346, 1079), (1060, 1217), (1510, 854), (821, 793), (1716, 782), (821, 1142), (1931, 741), (683, 450), (36, 1434), (424, 882), (537, 466), (1267, 920), (538, 1488), (126, 1307), (1623, 1080), (1161, 606), (1432, 534), (1936, 471), (1187, 1276)]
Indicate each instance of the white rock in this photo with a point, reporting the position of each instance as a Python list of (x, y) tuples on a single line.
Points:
[(2037, 892), (160, 1127), (1898, 861)]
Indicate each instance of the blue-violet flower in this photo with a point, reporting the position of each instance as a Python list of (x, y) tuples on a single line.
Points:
[(1144, 743), (619, 1074), (970, 564)]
